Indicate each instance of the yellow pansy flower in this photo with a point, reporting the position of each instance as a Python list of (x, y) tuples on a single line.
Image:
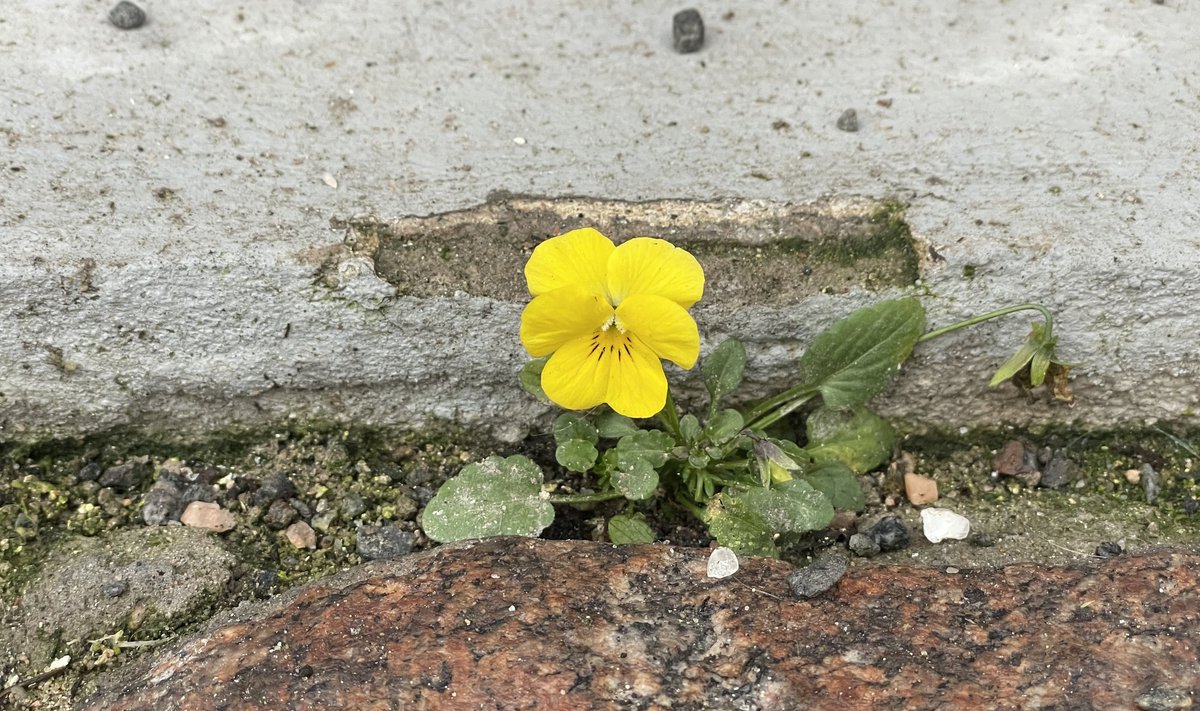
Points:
[(607, 316)]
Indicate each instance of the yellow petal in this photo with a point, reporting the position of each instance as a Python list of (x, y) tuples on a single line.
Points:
[(663, 326), (637, 386), (576, 376), (645, 265), (554, 318), (578, 257)]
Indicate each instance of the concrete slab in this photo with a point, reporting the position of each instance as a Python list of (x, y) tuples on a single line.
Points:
[(168, 193)]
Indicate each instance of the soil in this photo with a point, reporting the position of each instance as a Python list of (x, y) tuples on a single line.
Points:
[(343, 480)]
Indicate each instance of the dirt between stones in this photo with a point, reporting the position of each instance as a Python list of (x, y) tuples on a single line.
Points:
[(532, 624)]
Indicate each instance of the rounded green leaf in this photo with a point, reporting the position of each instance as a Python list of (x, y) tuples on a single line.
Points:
[(724, 426), (748, 520), (531, 379), (496, 497), (636, 482), (648, 445), (577, 455), (689, 427), (855, 358), (612, 425), (722, 369), (860, 439), (625, 529), (569, 426), (838, 484)]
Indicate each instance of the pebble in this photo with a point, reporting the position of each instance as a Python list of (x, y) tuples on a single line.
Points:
[(1191, 506), (352, 506), (1109, 549), (863, 546), (1133, 476), (1150, 481), (687, 29), (920, 490), (280, 515), (272, 488), (722, 562), (890, 534), (162, 503), (383, 542), (942, 524), (90, 471), (819, 576), (127, 16), (301, 535), (128, 475), (116, 588), (848, 121), (211, 517), (1058, 472)]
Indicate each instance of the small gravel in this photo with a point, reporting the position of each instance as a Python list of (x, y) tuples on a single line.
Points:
[(687, 30), (890, 534), (127, 16), (848, 121), (864, 546), (819, 576), (382, 542)]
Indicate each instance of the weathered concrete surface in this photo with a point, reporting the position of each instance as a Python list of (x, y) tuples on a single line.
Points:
[(166, 194), (530, 624)]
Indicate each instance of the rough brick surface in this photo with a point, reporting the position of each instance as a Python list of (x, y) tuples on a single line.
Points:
[(524, 624)]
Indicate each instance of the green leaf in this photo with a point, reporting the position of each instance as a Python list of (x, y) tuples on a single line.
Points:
[(636, 482), (859, 438), (748, 520), (724, 426), (531, 379), (569, 426), (853, 360), (495, 497), (577, 455), (838, 484), (625, 529), (1013, 365), (722, 369), (689, 427), (644, 445), (612, 425)]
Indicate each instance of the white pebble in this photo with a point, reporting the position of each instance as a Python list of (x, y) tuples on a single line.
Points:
[(722, 563), (940, 524)]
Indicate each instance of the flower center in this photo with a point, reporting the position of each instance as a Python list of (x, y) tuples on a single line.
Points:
[(611, 341)]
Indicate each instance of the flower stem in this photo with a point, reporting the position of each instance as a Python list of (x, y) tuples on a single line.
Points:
[(669, 417), (987, 317), (586, 498), (800, 393)]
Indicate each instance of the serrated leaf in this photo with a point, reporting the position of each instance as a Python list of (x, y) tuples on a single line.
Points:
[(626, 529), (577, 455), (722, 369), (853, 360), (748, 520), (612, 425), (838, 483), (636, 482), (648, 445), (530, 378), (724, 426), (689, 427), (569, 426), (495, 497), (859, 438)]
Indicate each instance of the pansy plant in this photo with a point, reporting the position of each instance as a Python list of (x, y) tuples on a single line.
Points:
[(602, 320)]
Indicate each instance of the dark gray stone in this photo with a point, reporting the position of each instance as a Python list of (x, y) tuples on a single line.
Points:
[(352, 506), (128, 475), (90, 471), (1109, 549), (890, 533), (848, 121), (1162, 698), (162, 503), (688, 30), (116, 588), (383, 542), (1059, 472), (280, 515), (127, 16), (273, 488), (863, 545), (819, 576)]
